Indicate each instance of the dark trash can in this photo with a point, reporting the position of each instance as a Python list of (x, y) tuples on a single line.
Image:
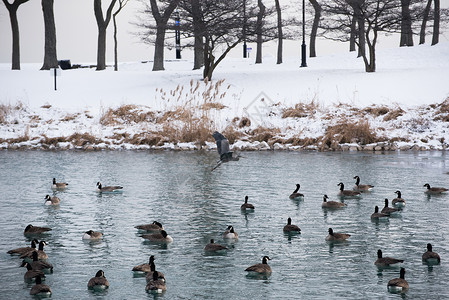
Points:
[(65, 64)]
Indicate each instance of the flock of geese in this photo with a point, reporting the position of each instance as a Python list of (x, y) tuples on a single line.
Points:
[(35, 258)]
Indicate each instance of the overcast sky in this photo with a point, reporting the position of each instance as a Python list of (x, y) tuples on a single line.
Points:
[(76, 31)]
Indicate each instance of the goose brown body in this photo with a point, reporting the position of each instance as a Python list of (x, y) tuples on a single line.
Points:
[(386, 261), (30, 230), (262, 268), (291, 227), (434, 190), (98, 282), (246, 205), (336, 236), (361, 187), (398, 283), (347, 193), (212, 246), (331, 204)]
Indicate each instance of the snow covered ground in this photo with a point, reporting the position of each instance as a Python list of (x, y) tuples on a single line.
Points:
[(404, 105)]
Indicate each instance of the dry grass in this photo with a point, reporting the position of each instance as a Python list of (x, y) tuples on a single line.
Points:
[(244, 122), (394, 114), (126, 114), (232, 135), (69, 117), (442, 111), (376, 110), (300, 110), (263, 134), (5, 110), (348, 132)]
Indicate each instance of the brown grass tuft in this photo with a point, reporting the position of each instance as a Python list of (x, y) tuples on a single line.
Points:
[(263, 134), (126, 114), (394, 114), (376, 110), (244, 122), (347, 132), (300, 110), (232, 135)]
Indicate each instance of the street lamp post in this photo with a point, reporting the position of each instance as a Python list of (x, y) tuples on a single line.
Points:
[(303, 46), (178, 37), (244, 30)]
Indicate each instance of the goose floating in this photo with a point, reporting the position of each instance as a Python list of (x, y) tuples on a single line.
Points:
[(362, 187), (347, 193), (331, 204), (336, 236), (434, 190), (262, 268), (99, 282), (296, 195), (398, 284), (246, 205), (430, 257), (398, 201), (291, 228), (386, 261), (52, 200), (58, 185), (108, 189), (230, 233)]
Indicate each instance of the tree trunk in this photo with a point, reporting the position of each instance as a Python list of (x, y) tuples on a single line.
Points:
[(316, 21), (359, 19), (50, 58), (352, 37), (114, 22), (198, 51), (370, 63), (259, 31), (12, 9), (436, 22), (425, 18), (406, 24), (280, 34), (102, 26), (161, 26), (158, 64)]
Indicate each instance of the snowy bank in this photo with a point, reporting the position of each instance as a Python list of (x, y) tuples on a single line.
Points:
[(330, 105)]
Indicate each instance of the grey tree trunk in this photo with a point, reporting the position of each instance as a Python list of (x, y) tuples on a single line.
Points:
[(198, 51), (353, 35), (360, 31), (436, 22), (122, 4), (259, 31), (280, 34), (316, 21), (425, 18), (50, 57), (12, 9), (102, 24), (161, 27), (406, 24)]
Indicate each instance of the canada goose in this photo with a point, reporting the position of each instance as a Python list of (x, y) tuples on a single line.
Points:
[(23, 250), (376, 215), (30, 230), (399, 201), (161, 237), (386, 261), (388, 210), (114, 188), (150, 274), (331, 204), (295, 195), (153, 227), (361, 187), (41, 255), (52, 200), (58, 185), (40, 289), (398, 284), (37, 264), (214, 247), (30, 273), (347, 193), (291, 228), (430, 257), (230, 233), (92, 235), (434, 190), (262, 268), (336, 237), (156, 285), (246, 205), (99, 282), (144, 268)]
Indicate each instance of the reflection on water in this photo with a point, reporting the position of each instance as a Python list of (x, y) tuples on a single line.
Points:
[(196, 205)]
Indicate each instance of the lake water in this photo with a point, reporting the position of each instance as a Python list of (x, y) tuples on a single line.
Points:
[(194, 205)]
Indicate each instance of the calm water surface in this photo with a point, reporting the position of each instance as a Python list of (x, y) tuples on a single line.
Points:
[(194, 205)]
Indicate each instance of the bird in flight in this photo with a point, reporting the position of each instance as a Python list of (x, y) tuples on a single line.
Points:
[(223, 149)]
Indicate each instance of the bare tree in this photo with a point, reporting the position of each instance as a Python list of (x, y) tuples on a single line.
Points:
[(406, 24), (102, 24), (314, 31), (425, 18), (280, 33), (259, 32), (436, 22), (50, 57), (12, 9), (198, 47), (122, 3), (373, 16)]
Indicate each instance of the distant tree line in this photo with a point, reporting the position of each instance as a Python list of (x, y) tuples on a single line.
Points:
[(212, 28)]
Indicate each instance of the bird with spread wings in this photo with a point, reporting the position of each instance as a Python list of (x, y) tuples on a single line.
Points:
[(223, 149)]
